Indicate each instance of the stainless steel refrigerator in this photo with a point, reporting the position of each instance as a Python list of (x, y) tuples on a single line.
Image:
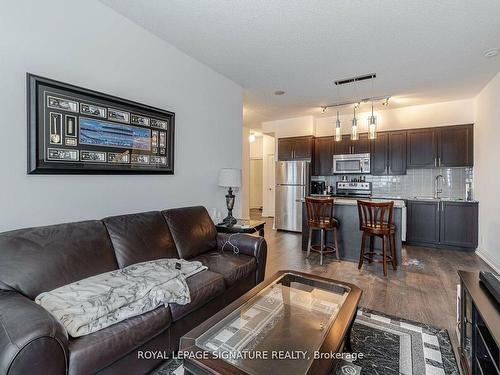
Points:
[(292, 185)]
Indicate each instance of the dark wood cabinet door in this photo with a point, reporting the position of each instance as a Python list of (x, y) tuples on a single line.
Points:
[(423, 222), (421, 148), (396, 154), (303, 148), (323, 156), (379, 154), (459, 224), (362, 145), (344, 146), (456, 146), (285, 148)]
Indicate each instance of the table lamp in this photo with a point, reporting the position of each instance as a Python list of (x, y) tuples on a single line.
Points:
[(230, 178)]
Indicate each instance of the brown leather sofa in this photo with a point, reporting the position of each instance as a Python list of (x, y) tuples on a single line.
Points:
[(40, 259)]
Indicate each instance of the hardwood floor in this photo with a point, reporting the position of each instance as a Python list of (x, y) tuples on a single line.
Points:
[(422, 289)]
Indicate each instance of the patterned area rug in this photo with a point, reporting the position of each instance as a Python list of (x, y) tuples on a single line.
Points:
[(390, 345)]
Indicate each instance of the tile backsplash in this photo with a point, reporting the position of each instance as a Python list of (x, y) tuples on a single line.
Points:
[(417, 182)]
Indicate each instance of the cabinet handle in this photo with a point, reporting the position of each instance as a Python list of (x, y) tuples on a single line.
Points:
[(435, 162), (439, 162)]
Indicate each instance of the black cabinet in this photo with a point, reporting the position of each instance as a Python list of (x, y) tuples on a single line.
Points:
[(323, 156), (346, 146), (459, 224), (421, 148), (423, 222), (455, 146), (442, 223), (397, 153), (379, 151), (296, 148), (388, 153), (448, 146), (479, 336)]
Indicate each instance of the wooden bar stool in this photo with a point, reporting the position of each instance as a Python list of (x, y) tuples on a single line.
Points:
[(320, 216), (375, 220)]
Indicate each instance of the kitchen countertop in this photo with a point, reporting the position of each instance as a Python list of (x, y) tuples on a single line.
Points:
[(352, 201), (420, 198)]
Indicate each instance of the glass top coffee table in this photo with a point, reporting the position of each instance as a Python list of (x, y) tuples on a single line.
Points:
[(293, 323)]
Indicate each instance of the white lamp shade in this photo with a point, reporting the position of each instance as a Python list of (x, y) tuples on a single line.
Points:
[(230, 177)]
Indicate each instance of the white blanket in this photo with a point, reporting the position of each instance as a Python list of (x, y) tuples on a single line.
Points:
[(99, 301)]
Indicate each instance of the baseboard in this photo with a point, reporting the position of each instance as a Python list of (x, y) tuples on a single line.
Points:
[(488, 260)]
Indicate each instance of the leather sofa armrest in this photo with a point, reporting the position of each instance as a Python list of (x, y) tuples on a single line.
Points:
[(31, 339), (248, 245)]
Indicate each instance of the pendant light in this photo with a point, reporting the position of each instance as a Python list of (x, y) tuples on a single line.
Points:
[(338, 129), (354, 127), (372, 126)]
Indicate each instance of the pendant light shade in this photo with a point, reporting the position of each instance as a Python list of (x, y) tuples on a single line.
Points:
[(354, 127), (372, 126), (338, 129)]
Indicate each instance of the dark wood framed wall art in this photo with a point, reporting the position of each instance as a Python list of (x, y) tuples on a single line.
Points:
[(72, 130)]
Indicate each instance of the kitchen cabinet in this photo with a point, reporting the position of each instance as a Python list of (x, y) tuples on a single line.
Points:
[(346, 146), (423, 222), (455, 146), (323, 156), (388, 153), (296, 148), (421, 148), (442, 223), (459, 224), (448, 146)]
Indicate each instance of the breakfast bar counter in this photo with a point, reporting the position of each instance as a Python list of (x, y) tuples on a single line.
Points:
[(349, 235)]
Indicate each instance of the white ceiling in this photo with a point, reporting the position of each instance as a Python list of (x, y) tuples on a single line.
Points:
[(422, 51)]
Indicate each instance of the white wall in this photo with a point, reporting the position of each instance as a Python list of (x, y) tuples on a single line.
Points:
[(486, 177), (256, 148), (290, 127), (418, 116), (87, 44)]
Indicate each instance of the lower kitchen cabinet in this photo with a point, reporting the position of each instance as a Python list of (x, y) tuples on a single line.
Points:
[(442, 223), (423, 222), (459, 224)]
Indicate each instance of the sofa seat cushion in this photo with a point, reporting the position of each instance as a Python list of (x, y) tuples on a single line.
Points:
[(91, 353), (203, 287), (233, 267)]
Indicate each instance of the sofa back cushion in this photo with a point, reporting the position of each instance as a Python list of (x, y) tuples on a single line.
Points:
[(140, 237), (193, 230), (36, 260)]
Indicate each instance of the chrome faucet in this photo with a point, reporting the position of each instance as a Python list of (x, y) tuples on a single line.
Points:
[(438, 190)]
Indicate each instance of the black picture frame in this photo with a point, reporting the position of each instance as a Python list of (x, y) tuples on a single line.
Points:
[(125, 141)]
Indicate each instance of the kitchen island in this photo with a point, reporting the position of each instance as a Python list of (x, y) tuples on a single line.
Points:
[(349, 235)]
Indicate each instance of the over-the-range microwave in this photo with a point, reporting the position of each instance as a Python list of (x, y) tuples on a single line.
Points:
[(351, 163)]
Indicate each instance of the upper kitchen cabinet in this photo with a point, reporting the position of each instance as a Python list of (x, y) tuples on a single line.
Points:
[(388, 153), (397, 153), (323, 156), (455, 146), (421, 150), (449, 146), (346, 146), (379, 154), (296, 148)]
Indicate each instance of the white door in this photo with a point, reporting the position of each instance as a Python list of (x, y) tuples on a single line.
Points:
[(268, 194), (256, 183)]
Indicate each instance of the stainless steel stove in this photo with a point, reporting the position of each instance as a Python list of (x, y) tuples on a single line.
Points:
[(353, 189)]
